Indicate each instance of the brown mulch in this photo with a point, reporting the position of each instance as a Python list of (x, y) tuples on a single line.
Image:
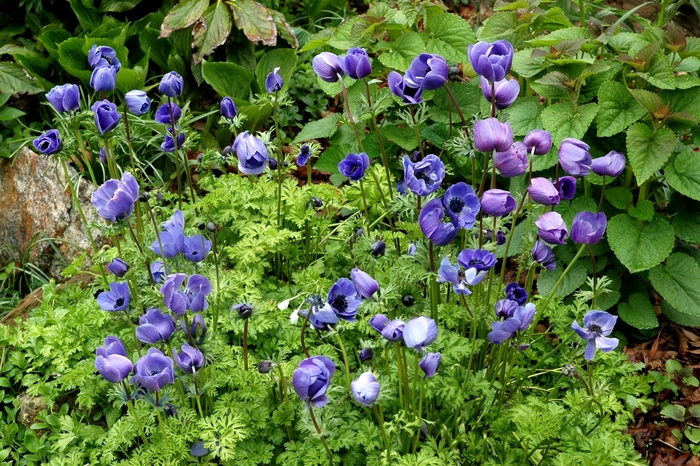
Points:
[(652, 432)]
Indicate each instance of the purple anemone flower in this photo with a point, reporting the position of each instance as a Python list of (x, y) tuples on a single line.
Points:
[(312, 379), (419, 332), (49, 142), (611, 164), (354, 166), (513, 161), (538, 139), (171, 84), (460, 278), (480, 259), (490, 134), (597, 325), (401, 88), (274, 82), (378, 322), (509, 328), (163, 113), (172, 241), (305, 153), (423, 177), (100, 56), (574, 157), (543, 254), (106, 116), (189, 360), (137, 101), (551, 228), (393, 330), (588, 227), (115, 199), (427, 71), (365, 389), (462, 204), (430, 364), (343, 299), (104, 79), (567, 188), (64, 98), (112, 345), (252, 154), (154, 326), (497, 203), (196, 248), (491, 60), (356, 63), (193, 298), (432, 226), (543, 192), (506, 92), (116, 299), (320, 314), (364, 284), (516, 293), (505, 308), (228, 108), (153, 371), (327, 66), (114, 367)]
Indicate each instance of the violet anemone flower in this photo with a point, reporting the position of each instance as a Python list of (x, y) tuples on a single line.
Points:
[(104, 79), (118, 267), (505, 308), (305, 153), (154, 326), (137, 101), (49, 142), (312, 379), (423, 177), (163, 113), (168, 144), (153, 371), (497, 202), (343, 299), (252, 154), (274, 82), (365, 354), (419, 332), (551, 228), (538, 139), (320, 314), (393, 330), (513, 161), (172, 242), (365, 285), (509, 328), (114, 367), (491, 60), (326, 65), (158, 271), (356, 63), (480, 259), (516, 293), (228, 108), (189, 360), (196, 248), (365, 389), (171, 84), (611, 164), (460, 278), (401, 88), (430, 364), (490, 134), (354, 166), (432, 226), (100, 56), (378, 322), (597, 325), (106, 116), (588, 227), (506, 92), (543, 192), (116, 299), (112, 345), (462, 204), (567, 188), (574, 157), (193, 298), (64, 98), (543, 254), (427, 71)]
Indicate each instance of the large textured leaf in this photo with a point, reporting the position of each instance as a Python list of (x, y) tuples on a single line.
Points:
[(158, 48), (524, 115), (323, 128), (640, 248), (563, 122), (183, 15), (618, 109), (683, 174), (228, 79), (285, 59), (14, 80), (87, 15), (647, 151), (639, 313), (211, 31), (133, 78), (255, 21), (450, 35), (406, 48), (118, 6), (679, 282)]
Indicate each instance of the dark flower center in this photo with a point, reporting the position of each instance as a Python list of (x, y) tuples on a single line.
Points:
[(423, 175), (119, 302), (340, 303), (355, 168), (456, 205), (474, 262), (194, 253), (595, 329)]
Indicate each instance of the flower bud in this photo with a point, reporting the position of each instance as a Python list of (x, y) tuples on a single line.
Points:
[(612, 164), (265, 367), (378, 248), (491, 134), (497, 203), (543, 192), (366, 354), (118, 267), (540, 140), (171, 84), (228, 108), (137, 102)]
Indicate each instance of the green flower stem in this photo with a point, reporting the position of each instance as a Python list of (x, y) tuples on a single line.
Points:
[(364, 205), (177, 160), (642, 196), (582, 11), (132, 157), (345, 359), (593, 397), (216, 267), (404, 365), (530, 279), (161, 422), (561, 278), (245, 344), (454, 101), (399, 366), (82, 214), (303, 333), (138, 245), (137, 342), (420, 414), (280, 161), (380, 421), (510, 238), (132, 410), (83, 151), (417, 130), (493, 169), (349, 113), (602, 196), (160, 243), (595, 281), (385, 161), (320, 435), (282, 384), (111, 162), (196, 392), (434, 285)]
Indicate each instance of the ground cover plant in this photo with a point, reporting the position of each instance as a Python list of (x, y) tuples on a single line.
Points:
[(433, 270)]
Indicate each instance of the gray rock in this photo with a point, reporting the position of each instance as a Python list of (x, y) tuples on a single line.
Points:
[(35, 204)]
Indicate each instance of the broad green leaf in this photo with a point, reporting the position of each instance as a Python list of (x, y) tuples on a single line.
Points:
[(569, 210), (499, 26), (133, 78), (644, 210), (639, 313), (563, 122), (687, 226), (467, 96), (527, 66), (158, 48), (212, 31), (683, 174), (619, 197), (402, 137), (328, 161), (228, 79), (648, 152), (524, 115), (285, 59), (557, 36), (640, 248), (681, 318), (15, 80), (183, 15), (650, 101), (406, 48), (10, 113), (660, 73), (118, 6), (678, 282), (618, 109), (256, 115), (285, 30), (675, 412), (692, 434), (87, 15), (572, 281), (255, 21), (686, 81), (316, 129), (450, 35), (51, 36), (687, 100)]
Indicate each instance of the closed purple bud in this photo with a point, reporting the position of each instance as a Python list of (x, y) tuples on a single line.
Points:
[(430, 364), (252, 154), (171, 84), (512, 162), (49, 142), (497, 202), (543, 191), (365, 389), (112, 345), (378, 248), (427, 71), (64, 98), (365, 285), (551, 228), (104, 79), (245, 311), (500, 238), (264, 367), (305, 153), (411, 249), (118, 267), (228, 108), (516, 293), (366, 354), (114, 368), (189, 360), (540, 140), (567, 188), (420, 332), (354, 166), (356, 63), (378, 322), (506, 92), (491, 60), (404, 90), (588, 227), (544, 255), (163, 113), (137, 102), (106, 116), (393, 330), (612, 164), (100, 56), (431, 223), (102, 155), (490, 134), (154, 326), (168, 144), (274, 82), (327, 66), (574, 157)]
